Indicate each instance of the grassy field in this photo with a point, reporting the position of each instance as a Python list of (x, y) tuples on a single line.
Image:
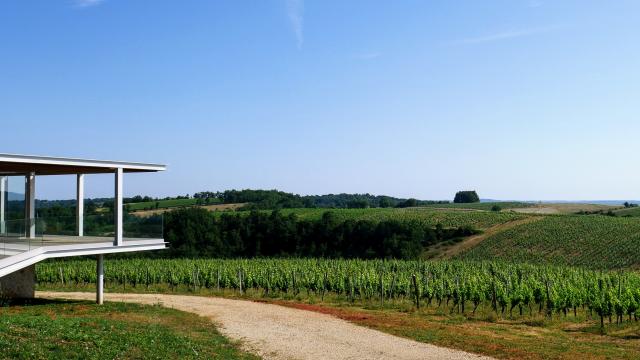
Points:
[(593, 241), (564, 208), (80, 330), (483, 205), (218, 207), (632, 212), (161, 204)]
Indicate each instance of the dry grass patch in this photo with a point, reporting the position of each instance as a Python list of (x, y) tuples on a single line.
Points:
[(507, 339)]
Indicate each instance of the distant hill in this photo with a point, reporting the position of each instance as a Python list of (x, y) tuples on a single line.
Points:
[(595, 202), (12, 196)]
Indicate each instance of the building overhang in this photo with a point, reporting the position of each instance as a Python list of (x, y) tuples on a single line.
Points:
[(14, 164)]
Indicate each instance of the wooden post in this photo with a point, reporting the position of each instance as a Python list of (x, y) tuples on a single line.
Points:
[(415, 287)]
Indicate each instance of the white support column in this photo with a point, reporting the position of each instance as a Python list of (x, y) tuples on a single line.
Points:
[(100, 280), (80, 205), (30, 205), (3, 203), (117, 209)]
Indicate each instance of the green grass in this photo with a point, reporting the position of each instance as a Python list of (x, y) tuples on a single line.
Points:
[(483, 205), (628, 212), (430, 217), (81, 330), (594, 241), (162, 204)]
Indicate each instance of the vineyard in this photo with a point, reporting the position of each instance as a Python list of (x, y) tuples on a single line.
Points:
[(507, 290), (594, 241), (428, 217)]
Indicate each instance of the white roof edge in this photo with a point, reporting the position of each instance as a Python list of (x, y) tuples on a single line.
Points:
[(50, 160)]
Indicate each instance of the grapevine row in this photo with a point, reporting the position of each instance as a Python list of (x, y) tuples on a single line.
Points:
[(462, 286)]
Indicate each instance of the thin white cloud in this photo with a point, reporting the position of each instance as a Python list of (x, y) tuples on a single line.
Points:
[(509, 34), (535, 3), (367, 55), (295, 12), (87, 3)]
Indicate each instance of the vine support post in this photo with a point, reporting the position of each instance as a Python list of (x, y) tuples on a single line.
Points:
[(415, 290)]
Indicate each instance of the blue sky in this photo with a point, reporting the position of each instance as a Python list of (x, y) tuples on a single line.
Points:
[(516, 99)]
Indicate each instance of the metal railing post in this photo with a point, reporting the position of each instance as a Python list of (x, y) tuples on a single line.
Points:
[(118, 208)]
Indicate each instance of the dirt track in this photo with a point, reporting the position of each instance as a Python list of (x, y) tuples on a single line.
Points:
[(477, 239), (276, 332)]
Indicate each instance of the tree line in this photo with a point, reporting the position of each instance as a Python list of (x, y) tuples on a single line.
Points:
[(274, 199), (195, 232)]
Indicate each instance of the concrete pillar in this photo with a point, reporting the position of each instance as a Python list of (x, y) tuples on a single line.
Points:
[(100, 280), (30, 205), (117, 209), (20, 284), (3, 204), (80, 205)]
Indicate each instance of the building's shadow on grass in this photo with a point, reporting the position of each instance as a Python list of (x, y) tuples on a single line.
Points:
[(37, 302)]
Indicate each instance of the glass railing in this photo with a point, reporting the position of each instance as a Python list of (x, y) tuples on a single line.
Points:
[(16, 237), (150, 227), (94, 225)]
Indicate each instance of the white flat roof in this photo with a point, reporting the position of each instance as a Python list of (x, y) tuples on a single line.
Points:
[(49, 165)]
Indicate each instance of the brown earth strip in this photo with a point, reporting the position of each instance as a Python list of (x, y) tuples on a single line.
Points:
[(473, 241)]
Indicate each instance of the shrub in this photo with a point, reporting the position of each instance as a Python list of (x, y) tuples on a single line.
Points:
[(466, 197)]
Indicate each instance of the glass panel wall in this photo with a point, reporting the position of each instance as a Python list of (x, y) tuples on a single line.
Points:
[(15, 198), (13, 226)]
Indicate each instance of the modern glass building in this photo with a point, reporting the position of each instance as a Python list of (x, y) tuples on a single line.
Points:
[(27, 237)]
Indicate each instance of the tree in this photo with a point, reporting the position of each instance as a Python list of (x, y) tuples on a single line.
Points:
[(408, 203), (358, 204), (385, 202), (496, 208), (466, 197)]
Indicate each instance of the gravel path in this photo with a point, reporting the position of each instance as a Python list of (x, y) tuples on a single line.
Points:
[(277, 332)]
